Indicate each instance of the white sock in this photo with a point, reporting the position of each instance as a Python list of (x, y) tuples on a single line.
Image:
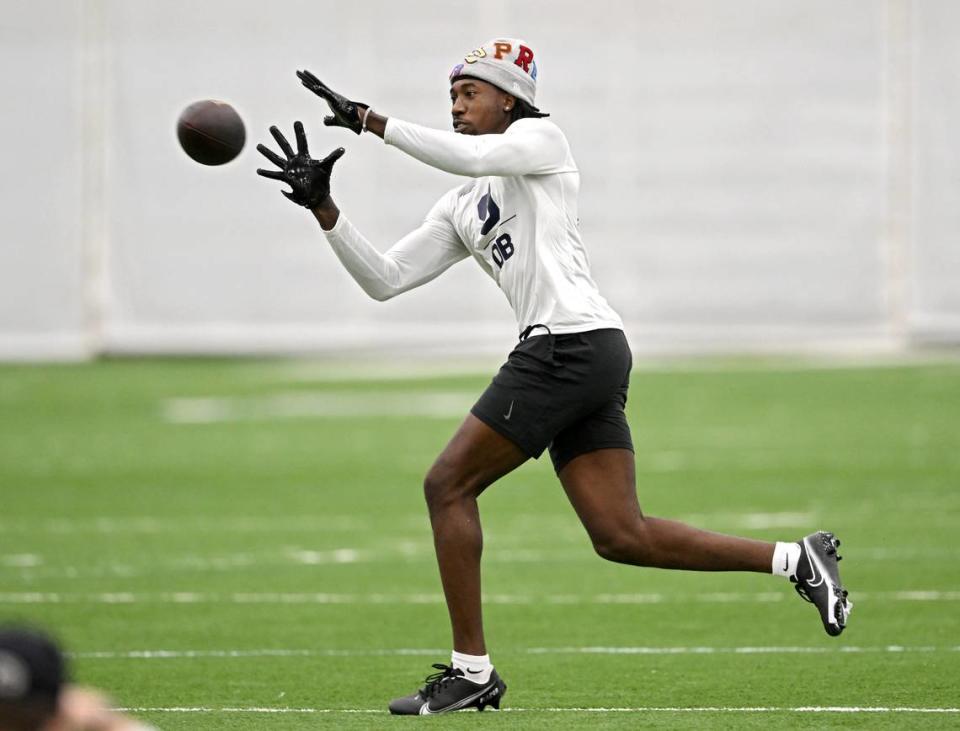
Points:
[(476, 668), (786, 556)]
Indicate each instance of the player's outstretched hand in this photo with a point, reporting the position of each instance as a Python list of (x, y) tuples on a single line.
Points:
[(308, 178), (344, 110)]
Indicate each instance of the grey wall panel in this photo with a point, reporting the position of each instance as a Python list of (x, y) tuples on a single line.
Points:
[(738, 178), (41, 252), (935, 263), (730, 155), (218, 250)]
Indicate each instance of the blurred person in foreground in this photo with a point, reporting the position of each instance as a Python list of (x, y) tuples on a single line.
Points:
[(35, 694), (563, 387)]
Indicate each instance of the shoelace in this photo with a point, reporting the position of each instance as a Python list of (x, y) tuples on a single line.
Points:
[(435, 681)]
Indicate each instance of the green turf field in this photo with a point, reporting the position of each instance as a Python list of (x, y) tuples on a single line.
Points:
[(263, 524)]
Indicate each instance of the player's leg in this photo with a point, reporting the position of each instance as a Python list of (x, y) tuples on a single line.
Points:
[(510, 423), (593, 456), (475, 457), (601, 487)]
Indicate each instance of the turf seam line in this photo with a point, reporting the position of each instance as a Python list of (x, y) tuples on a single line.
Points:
[(187, 597), (161, 654), (638, 709)]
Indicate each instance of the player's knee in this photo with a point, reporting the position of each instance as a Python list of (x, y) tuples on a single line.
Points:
[(432, 489), (622, 544), (441, 487), (612, 549)]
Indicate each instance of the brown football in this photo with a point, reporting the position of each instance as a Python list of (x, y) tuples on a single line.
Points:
[(211, 132)]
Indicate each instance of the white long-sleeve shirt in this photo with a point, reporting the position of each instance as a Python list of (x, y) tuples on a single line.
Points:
[(517, 218)]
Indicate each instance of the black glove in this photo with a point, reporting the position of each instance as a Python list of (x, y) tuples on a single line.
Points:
[(309, 178), (344, 110)]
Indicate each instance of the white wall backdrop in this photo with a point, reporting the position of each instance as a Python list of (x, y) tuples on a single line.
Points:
[(755, 174), (42, 263)]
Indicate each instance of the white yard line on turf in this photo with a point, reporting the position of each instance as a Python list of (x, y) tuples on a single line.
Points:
[(34, 567), (150, 525), (325, 404), (842, 649), (646, 361), (637, 709), (190, 654), (186, 597), (752, 521), (559, 524)]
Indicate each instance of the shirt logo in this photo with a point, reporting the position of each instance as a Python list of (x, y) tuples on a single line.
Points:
[(489, 213)]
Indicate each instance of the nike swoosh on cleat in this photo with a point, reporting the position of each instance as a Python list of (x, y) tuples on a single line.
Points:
[(462, 703), (833, 599), (816, 573)]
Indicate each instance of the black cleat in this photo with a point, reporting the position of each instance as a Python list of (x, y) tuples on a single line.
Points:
[(818, 580), (448, 690)]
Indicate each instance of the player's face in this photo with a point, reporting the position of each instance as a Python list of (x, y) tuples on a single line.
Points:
[(479, 108)]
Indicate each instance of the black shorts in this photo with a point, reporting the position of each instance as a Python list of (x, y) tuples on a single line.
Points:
[(567, 392)]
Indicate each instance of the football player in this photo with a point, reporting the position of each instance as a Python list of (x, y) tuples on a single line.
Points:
[(562, 388)]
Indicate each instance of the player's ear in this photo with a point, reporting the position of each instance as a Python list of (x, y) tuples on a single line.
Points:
[(508, 103)]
